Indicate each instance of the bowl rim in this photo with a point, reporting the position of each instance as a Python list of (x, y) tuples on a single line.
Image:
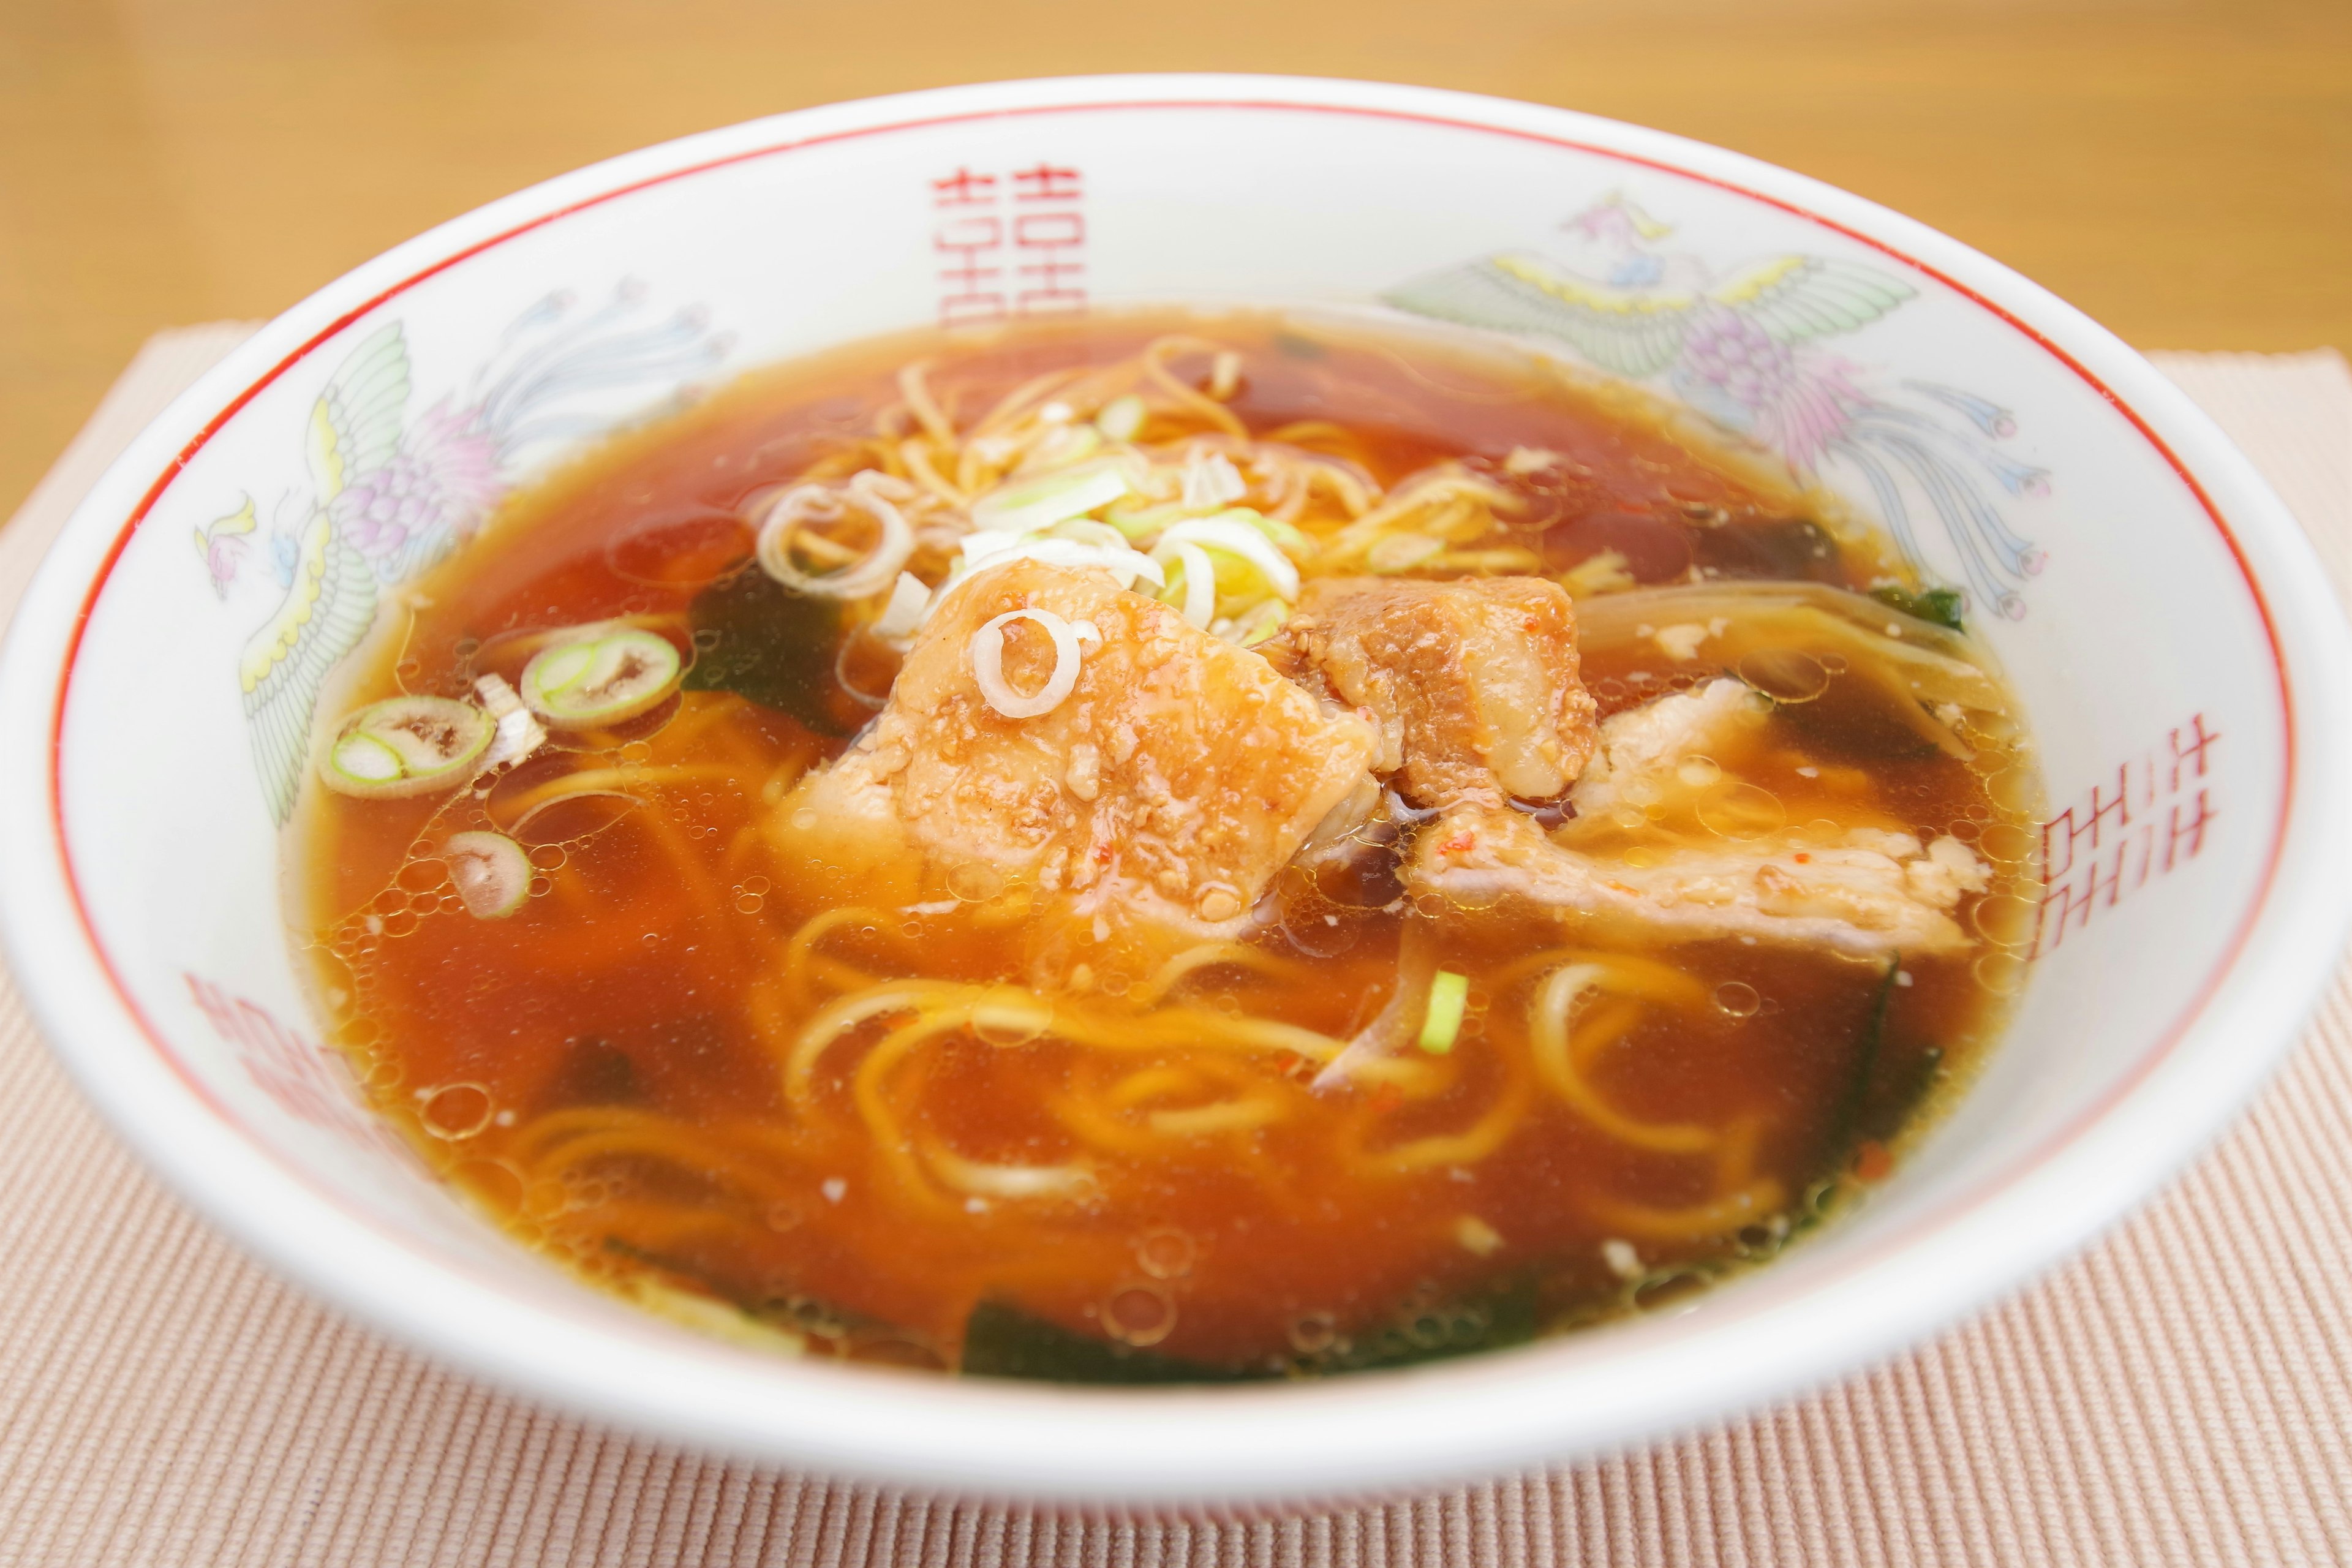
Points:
[(1631, 1382)]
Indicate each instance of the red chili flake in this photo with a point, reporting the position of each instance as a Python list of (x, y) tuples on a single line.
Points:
[(1458, 843), (1387, 1098), (1801, 858), (1871, 1162), (1103, 853)]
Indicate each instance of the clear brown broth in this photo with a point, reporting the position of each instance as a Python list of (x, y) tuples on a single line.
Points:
[(624, 994)]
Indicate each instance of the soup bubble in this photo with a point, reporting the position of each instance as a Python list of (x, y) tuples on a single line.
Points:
[(2005, 919), (2006, 842), (455, 1111), (1784, 674), (2013, 789), (974, 881), (2002, 973), (1741, 810), (1139, 1315), (1738, 999), (1165, 1254), (1312, 1333), (1699, 772)]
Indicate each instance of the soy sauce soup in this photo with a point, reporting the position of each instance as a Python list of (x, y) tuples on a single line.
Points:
[(1397, 1107)]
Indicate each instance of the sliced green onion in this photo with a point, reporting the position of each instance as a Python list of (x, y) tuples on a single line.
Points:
[(1449, 994), (492, 872), (985, 550), (1030, 505), (1235, 537), (1199, 604), (602, 676), (904, 613), (1259, 621), (1294, 543), (405, 745), (987, 653), (1122, 417), (823, 502), (1211, 480)]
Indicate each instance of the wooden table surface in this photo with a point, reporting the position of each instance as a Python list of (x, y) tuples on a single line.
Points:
[(2181, 169)]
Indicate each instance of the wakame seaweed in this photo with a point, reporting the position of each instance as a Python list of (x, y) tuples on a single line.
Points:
[(1845, 1130), (1939, 606), (763, 642), (1000, 1340)]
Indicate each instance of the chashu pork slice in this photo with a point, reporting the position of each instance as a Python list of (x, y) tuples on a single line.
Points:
[(1171, 784), (1473, 683), (1872, 894)]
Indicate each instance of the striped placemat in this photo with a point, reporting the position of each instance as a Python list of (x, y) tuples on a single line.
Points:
[(2182, 1393)]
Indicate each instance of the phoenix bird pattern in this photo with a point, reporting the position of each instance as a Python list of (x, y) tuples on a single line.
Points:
[(388, 495), (1742, 345)]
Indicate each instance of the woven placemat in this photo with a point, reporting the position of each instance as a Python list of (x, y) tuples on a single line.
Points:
[(2182, 1393)]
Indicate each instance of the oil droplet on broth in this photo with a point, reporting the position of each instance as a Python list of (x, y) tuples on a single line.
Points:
[(973, 882), (1139, 1315), (1699, 772), (1312, 1333), (1784, 674), (2004, 918), (1165, 1254), (2006, 842), (1738, 999), (2002, 973), (1738, 810), (455, 1111)]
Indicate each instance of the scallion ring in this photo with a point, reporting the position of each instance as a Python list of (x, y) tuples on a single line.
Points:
[(407, 745), (492, 872), (818, 502), (988, 665), (602, 676)]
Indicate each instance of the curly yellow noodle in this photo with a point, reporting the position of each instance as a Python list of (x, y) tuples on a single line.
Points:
[(915, 386), (1470, 1145), (1555, 1061), (1025, 397), (1168, 975), (843, 1013), (800, 949), (688, 1148), (1647, 1222), (1155, 369), (918, 464)]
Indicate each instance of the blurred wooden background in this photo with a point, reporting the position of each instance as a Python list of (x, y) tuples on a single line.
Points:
[(2181, 169)]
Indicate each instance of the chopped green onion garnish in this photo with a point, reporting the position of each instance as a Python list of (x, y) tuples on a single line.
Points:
[(603, 675), (1449, 994), (492, 872), (1122, 417), (1040, 503), (407, 745)]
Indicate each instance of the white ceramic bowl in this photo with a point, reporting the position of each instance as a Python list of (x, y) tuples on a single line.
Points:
[(2163, 619)]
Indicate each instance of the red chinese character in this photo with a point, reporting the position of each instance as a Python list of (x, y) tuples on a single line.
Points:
[(964, 189), (1046, 184), (2193, 753), (1057, 230)]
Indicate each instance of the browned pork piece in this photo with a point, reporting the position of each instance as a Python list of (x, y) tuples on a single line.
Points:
[(1874, 892), (1166, 775), (1473, 683)]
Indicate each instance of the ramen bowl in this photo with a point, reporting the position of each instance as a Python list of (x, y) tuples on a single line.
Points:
[(2156, 609)]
